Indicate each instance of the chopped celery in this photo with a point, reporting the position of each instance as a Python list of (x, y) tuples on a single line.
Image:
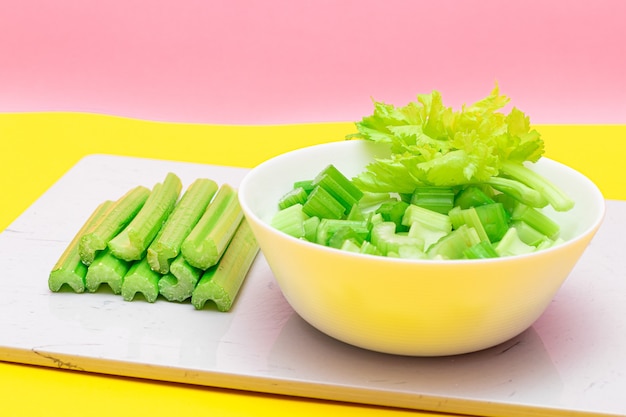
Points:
[(222, 282), (310, 226), (306, 185), (184, 217), (290, 220), (482, 250), (337, 185), (133, 241), (106, 269), (495, 220), (454, 244), (469, 216), (295, 196), (519, 191), (550, 192), (328, 228), (472, 196), (527, 233), (69, 268), (117, 217), (386, 239), (322, 204), (511, 244), (427, 217), (536, 219), (438, 199), (350, 245), (393, 211), (207, 242), (178, 284), (140, 278)]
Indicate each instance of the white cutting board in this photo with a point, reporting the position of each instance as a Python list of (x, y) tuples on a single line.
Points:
[(572, 360)]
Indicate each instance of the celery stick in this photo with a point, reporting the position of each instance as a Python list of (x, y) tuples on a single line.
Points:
[(222, 282), (117, 217), (519, 191), (511, 244), (385, 238), (472, 196), (482, 250), (290, 220), (133, 241), (140, 278), (337, 185), (70, 269), (322, 204), (495, 220), (393, 211), (310, 226), (468, 216), (439, 199), (179, 283), (295, 196), (106, 269), (182, 220), (454, 244), (207, 242)]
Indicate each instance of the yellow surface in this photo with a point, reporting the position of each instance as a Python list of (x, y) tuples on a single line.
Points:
[(37, 149)]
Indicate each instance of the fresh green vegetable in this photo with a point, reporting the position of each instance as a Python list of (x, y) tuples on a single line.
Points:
[(179, 224), (433, 145), (70, 269), (222, 282), (117, 218), (140, 278), (178, 284), (208, 240), (106, 269), (133, 241)]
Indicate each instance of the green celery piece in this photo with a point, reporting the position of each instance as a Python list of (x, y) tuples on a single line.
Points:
[(409, 252), (222, 282), (393, 211), (537, 220), (295, 196), (132, 242), (350, 245), (528, 234), (290, 220), (511, 244), (310, 226), (438, 199), (385, 238), (556, 197), (495, 220), (454, 244), (482, 250), (140, 278), (426, 234), (427, 217), (328, 228), (306, 185), (69, 268), (322, 204), (208, 241), (470, 217), (518, 191), (337, 185), (118, 216), (472, 196), (178, 284), (182, 220), (369, 248), (106, 269)]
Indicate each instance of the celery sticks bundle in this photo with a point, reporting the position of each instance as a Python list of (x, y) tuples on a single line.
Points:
[(197, 246)]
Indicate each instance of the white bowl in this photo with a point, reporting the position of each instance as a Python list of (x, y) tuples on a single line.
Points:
[(412, 307)]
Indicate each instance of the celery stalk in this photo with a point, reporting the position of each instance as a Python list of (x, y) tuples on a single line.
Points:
[(70, 269), (222, 282), (208, 240), (133, 241), (179, 283), (117, 217), (106, 269), (182, 220), (140, 278)]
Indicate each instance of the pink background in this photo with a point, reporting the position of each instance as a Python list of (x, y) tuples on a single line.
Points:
[(280, 61)]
